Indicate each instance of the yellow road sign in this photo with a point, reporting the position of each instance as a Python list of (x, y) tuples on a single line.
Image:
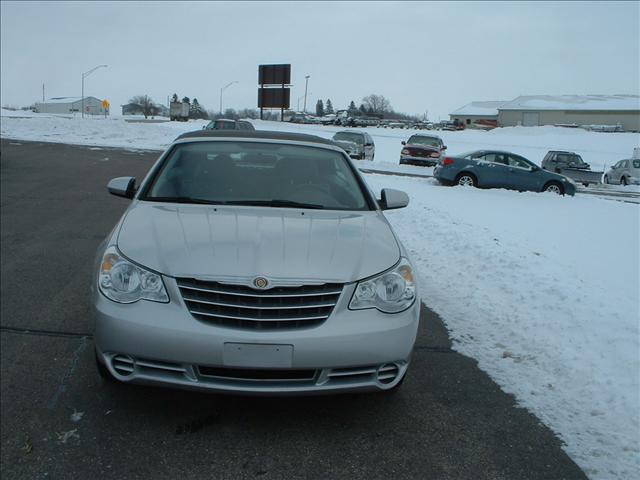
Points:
[(105, 104)]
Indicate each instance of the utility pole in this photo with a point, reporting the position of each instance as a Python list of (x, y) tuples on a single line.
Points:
[(43, 93), (85, 75), (306, 84)]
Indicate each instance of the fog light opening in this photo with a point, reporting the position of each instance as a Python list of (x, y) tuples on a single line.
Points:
[(124, 365), (388, 373)]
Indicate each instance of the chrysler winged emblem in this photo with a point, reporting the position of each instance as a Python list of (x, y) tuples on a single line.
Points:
[(260, 282)]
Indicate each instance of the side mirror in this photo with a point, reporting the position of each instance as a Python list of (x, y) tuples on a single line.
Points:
[(403, 142), (444, 147), (391, 199), (534, 168), (368, 144), (122, 187)]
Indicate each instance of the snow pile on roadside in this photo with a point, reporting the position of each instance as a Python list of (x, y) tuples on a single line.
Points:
[(544, 292), (98, 131), (599, 149)]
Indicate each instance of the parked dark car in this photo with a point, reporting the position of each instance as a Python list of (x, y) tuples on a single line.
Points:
[(423, 150), (496, 169), (555, 161), (358, 145), (571, 165), (226, 124)]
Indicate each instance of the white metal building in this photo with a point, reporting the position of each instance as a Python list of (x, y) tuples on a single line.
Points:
[(582, 110), (474, 111), (92, 105)]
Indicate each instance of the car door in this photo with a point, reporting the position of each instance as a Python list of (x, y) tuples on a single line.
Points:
[(614, 176), (491, 170), (521, 176)]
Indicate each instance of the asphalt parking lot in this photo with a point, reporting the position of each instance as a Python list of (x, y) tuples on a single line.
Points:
[(59, 420)]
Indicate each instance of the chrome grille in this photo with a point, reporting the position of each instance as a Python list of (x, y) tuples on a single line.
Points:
[(238, 306)]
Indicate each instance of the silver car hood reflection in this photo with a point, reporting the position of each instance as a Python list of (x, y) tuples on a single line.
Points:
[(236, 244)]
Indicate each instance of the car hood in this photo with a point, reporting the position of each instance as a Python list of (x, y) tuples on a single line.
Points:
[(240, 243), (415, 146)]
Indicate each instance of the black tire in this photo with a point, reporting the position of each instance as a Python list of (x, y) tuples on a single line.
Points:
[(461, 176), (606, 180), (103, 371), (548, 187), (585, 184), (623, 181)]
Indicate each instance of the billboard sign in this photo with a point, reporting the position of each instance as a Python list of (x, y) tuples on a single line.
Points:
[(274, 74), (273, 97)]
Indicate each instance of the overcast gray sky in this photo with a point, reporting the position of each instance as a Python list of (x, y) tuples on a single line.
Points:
[(422, 56)]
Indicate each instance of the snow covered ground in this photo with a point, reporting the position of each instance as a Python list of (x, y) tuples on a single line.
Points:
[(543, 291), (598, 149)]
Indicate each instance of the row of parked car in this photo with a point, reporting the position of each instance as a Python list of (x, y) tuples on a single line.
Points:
[(428, 150), (560, 171)]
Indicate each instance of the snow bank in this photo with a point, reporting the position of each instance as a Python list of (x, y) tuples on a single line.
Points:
[(544, 292), (598, 149)]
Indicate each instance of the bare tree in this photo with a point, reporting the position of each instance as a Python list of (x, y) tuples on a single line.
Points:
[(145, 103), (377, 103)]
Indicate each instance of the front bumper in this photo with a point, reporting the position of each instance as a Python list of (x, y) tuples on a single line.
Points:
[(162, 344), (420, 161)]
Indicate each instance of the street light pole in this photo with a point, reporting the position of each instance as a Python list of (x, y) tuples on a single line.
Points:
[(300, 98), (306, 84), (222, 90), (85, 75)]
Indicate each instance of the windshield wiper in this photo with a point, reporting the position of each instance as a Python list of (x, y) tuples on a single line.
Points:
[(276, 203), (201, 201)]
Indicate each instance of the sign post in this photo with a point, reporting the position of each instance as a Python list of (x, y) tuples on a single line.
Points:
[(105, 107)]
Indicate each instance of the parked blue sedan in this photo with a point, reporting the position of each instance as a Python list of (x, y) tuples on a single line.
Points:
[(496, 169)]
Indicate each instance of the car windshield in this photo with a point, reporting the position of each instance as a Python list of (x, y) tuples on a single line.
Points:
[(349, 137), (422, 140), (261, 174)]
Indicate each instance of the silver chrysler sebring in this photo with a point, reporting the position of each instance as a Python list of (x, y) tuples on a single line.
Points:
[(255, 262)]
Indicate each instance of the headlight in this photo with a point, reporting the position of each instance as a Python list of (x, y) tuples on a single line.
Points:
[(390, 292), (124, 282), (405, 151)]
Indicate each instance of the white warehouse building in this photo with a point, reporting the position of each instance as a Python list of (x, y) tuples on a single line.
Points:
[(92, 105), (531, 111)]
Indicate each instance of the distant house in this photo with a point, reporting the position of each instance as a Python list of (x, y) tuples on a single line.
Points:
[(92, 105), (623, 110), (477, 112)]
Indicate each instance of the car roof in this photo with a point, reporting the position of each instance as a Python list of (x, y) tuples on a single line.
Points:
[(259, 134), (351, 131), (428, 135)]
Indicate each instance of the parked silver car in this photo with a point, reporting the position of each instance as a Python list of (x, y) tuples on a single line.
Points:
[(359, 145), (624, 172), (255, 262)]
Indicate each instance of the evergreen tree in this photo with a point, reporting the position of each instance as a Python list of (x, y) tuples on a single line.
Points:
[(319, 108), (175, 98), (352, 110), (329, 108), (186, 100), (362, 108)]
